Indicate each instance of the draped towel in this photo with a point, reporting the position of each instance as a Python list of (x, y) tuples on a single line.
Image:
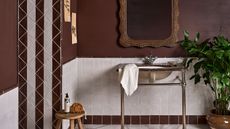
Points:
[(129, 79)]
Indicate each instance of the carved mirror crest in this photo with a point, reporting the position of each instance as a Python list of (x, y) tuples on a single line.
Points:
[(148, 23)]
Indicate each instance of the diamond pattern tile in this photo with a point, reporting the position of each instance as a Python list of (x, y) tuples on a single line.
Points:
[(39, 93), (22, 61), (48, 65), (31, 80), (56, 54)]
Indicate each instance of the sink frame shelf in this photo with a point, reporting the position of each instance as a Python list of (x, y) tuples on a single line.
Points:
[(158, 67)]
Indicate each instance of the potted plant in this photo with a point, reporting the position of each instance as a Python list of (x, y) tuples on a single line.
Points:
[(212, 66)]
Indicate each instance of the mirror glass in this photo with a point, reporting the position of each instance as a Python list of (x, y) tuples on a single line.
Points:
[(148, 22)]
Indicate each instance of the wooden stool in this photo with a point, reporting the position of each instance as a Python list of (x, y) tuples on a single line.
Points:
[(71, 117)]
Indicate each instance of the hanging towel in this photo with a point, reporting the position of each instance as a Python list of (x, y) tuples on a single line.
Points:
[(129, 79)]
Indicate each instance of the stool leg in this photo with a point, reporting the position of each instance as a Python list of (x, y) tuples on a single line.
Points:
[(79, 123), (71, 124), (58, 126)]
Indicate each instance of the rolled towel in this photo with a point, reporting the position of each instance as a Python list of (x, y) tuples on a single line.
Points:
[(129, 79)]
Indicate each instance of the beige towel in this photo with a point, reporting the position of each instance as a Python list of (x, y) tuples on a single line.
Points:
[(129, 79)]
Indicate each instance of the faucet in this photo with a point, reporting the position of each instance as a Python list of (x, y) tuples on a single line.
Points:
[(149, 59)]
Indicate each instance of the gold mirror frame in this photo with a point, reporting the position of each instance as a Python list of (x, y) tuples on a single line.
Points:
[(126, 41)]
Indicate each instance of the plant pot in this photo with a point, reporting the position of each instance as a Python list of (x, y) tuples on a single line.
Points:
[(218, 121)]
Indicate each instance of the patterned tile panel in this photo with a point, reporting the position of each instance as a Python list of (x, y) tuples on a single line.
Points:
[(47, 79)]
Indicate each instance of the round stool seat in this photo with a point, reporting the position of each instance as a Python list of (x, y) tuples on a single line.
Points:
[(63, 115), (71, 117)]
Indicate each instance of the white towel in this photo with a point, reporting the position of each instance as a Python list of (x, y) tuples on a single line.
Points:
[(129, 79)]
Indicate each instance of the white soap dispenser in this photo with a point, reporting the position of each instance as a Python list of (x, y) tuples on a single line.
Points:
[(66, 103)]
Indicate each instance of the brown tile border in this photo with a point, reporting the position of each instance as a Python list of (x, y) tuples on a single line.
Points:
[(173, 120), (145, 119), (192, 119), (56, 59), (135, 120), (201, 119), (22, 63), (97, 119), (180, 119), (154, 120), (89, 120), (127, 119), (106, 120), (39, 65), (164, 120), (115, 119)]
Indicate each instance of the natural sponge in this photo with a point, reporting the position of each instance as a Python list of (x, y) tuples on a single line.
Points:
[(77, 108)]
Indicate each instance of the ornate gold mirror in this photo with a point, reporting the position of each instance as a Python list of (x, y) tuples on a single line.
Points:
[(145, 23)]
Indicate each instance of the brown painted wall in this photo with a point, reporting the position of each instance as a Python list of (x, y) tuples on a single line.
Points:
[(8, 44), (69, 50), (98, 27)]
